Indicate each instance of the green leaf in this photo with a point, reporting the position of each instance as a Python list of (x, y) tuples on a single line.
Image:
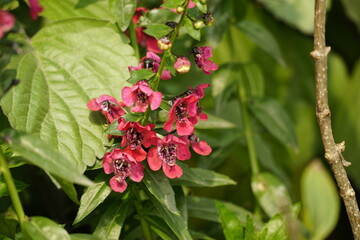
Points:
[(158, 185), (68, 188), (249, 229), (273, 230), (232, 227), (199, 177), (158, 30), (275, 119), (20, 186), (122, 11), (112, 221), (42, 154), (297, 13), (112, 129), (200, 235), (158, 225), (42, 228), (172, 3), (92, 197), (205, 208), (8, 224), (189, 27), (317, 185), (271, 193), (68, 68), (136, 75), (82, 236), (352, 8), (215, 122), (65, 9), (181, 202), (174, 220), (202, 6), (263, 38)]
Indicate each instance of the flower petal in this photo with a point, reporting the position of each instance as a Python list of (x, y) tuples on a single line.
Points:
[(153, 159), (107, 163), (202, 148), (184, 127), (172, 171), (137, 172), (118, 186), (155, 100), (165, 75)]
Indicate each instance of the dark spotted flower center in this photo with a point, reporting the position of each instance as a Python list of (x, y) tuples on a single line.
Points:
[(134, 138), (142, 97), (181, 110), (105, 106), (167, 153), (121, 168), (148, 63), (193, 139)]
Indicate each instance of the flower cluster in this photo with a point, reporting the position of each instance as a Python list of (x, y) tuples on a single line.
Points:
[(140, 140)]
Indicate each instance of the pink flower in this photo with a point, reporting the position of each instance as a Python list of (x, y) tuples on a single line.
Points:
[(122, 165), (135, 136), (35, 9), (109, 107), (7, 21), (201, 55), (184, 112), (199, 90), (165, 154), (142, 95), (142, 38), (182, 65), (152, 62), (200, 147)]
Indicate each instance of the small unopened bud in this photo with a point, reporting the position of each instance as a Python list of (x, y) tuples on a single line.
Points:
[(180, 9), (208, 19), (164, 43), (182, 65), (203, 1), (198, 24)]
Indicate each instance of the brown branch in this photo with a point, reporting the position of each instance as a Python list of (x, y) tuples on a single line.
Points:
[(333, 151)]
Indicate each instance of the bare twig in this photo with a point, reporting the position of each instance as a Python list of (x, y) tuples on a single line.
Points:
[(333, 151)]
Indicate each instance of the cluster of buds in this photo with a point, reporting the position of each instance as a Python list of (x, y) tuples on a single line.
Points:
[(140, 141)]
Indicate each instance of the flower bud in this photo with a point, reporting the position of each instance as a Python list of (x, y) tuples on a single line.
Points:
[(198, 24), (208, 19), (182, 65), (203, 1), (164, 43), (180, 9)]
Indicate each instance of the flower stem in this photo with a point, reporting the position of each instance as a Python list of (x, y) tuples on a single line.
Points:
[(145, 227), (247, 128), (133, 40), (172, 39), (11, 188)]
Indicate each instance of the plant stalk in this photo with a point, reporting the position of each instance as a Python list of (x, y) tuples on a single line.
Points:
[(11, 188), (333, 151), (133, 40), (145, 227), (172, 39), (247, 128)]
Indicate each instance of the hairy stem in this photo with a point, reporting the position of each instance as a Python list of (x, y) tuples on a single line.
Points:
[(333, 151), (133, 40), (247, 129), (11, 188), (172, 39)]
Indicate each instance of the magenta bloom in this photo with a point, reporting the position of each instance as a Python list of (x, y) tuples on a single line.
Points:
[(135, 136), (152, 62), (201, 55), (35, 9), (142, 95), (122, 165), (184, 112), (165, 154), (7, 21), (109, 107), (142, 38), (182, 65), (200, 147), (199, 90)]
